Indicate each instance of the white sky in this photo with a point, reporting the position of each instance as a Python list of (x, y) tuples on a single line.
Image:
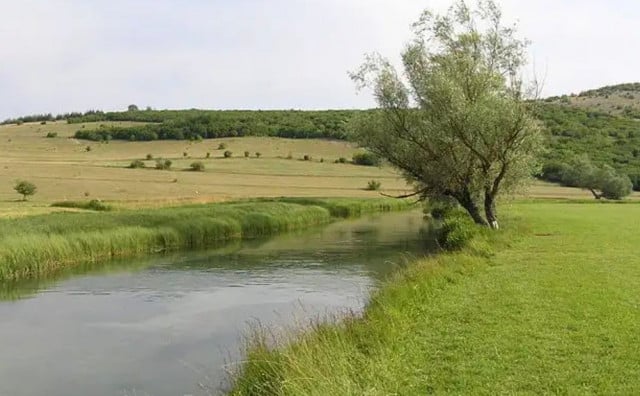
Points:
[(73, 55)]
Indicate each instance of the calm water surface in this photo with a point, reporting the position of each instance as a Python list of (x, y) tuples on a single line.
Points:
[(173, 325)]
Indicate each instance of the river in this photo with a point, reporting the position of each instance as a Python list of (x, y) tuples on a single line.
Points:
[(174, 324)]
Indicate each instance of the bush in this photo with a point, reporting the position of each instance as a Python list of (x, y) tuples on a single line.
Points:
[(208, 155), (456, 231), (307, 157), (366, 159), (163, 164), (373, 185), (25, 188), (43, 123), (88, 148), (135, 164), (246, 154), (341, 160), (222, 146), (149, 156), (184, 154), (52, 134), (441, 208), (94, 204), (258, 154), (197, 166), (228, 154)]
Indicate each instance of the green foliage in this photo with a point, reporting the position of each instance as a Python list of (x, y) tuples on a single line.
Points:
[(306, 157), (197, 166), (149, 157), (228, 154), (366, 159), (456, 231), (25, 188), (603, 182), (52, 134), (87, 149), (163, 164), (373, 185), (208, 155), (246, 154), (93, 204), (136, 164), (258, 154), (222, 146), (341, 160), (441, 207), (196, 124)]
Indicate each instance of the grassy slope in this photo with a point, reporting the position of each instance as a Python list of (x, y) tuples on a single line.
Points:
[(63, 170), (41, 245), (554, 312)]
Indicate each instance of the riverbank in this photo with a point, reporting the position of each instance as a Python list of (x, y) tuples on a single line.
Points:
[(39, 245), (547, 305)]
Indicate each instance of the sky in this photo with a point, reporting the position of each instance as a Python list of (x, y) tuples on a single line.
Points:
[(75, 55)]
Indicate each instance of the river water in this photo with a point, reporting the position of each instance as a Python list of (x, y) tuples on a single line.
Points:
[(173, 324)]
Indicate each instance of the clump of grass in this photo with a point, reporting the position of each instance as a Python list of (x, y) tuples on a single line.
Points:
[(197, 166), (52, 134), (373, 185), (135, 164), (93, 204), (163, 164)]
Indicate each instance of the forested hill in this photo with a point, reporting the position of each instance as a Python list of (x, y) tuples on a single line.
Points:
[(603, 124)]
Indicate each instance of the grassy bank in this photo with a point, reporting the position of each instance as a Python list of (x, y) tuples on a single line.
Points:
[(40, 245), (554, 309)]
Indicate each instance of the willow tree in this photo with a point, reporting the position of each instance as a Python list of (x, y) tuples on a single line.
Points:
[(456, 120)]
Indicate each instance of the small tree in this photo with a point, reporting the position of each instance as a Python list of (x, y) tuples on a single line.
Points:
[(258, 154), (25, 188), (228, 154), (132, 107), (246, 154), (197, 166)]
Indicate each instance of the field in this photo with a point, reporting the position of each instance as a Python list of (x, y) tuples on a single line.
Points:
[(63, 169), (553, 310)]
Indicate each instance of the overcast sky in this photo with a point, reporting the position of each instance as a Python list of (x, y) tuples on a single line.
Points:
[(70, 55)]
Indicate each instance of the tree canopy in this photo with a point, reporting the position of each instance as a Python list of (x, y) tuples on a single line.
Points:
[(456, 121)]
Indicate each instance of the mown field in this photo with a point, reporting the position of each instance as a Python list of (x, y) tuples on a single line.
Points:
[(547, 306), (63, 169)]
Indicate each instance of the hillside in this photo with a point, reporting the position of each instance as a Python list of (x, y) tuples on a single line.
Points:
[(602, 123)]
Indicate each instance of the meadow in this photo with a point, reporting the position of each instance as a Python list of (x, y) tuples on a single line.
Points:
[(549, 305), (63, 169)]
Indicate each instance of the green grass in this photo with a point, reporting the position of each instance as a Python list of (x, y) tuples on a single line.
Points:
[(554, 310), (41, 245)]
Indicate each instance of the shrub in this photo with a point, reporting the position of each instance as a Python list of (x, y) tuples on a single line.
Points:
[(341, 160), (197, 166), (222, 146), (135, 164), (88, 148), (163, 164), (43, 123), (441, 208), (149, 156), (25, 188), (366, 159), (258, 154), (307, 157), (373, 185), (228, 154), (456, 231), (184, 154), (246, 154), (52, 134), (321, 160), (94, 204), (208, 155)]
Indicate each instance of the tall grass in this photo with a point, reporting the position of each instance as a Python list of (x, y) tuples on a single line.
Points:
[(41, 245)]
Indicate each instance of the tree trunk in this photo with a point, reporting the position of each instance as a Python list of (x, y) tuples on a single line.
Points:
[(466, 201), (490, 210), (595, 194)]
